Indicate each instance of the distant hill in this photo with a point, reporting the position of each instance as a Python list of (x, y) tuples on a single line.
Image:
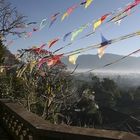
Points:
[(92, 61), (9, 58)]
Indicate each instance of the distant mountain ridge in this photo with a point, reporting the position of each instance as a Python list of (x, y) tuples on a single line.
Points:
[(9, 58), (92, 61)]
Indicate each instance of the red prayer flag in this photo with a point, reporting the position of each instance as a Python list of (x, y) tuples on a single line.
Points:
[(52, 42)]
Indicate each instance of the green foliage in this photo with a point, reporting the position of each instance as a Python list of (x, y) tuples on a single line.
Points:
[(137, 94), (106, 92), (53, 93), (48, 89), (11, 87)]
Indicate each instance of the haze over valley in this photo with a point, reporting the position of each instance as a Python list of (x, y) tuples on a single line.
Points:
[(126, 73)]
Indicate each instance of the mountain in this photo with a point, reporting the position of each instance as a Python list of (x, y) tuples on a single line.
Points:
[(9, 58), (92, 61)]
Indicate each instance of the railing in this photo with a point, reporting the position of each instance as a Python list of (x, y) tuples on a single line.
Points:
[(24, 125)]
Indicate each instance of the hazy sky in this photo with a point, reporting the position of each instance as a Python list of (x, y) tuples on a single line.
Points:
[(36, 10)]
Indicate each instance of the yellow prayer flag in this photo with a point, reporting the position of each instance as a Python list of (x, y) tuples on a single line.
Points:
[(88, 2), (138, 33), (2, 69), (73, 58), (97, 24), (64, 16), (101, 51), (32, 65)]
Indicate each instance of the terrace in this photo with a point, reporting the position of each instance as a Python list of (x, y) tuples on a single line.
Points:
[(19, 124)]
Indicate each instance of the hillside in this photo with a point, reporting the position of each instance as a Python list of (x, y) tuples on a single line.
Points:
[(92, 61)]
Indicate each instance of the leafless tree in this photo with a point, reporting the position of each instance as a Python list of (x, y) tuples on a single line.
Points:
[(10, 19)]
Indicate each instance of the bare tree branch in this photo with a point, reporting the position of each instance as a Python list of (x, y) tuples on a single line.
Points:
[(10, 19)]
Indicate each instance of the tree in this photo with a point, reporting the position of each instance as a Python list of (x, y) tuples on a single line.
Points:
[(10, 20), (49, 89), (137, 94), (1, 52), (107, 93)]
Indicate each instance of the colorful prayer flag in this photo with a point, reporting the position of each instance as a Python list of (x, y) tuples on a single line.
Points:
[(88, 2), (100, 21), (68, 12), (83, 3), (97, 24), (53, 18), (64, 16), (75, 33), (43, 24), (52, 22), (101, 51), (66, 35), (52, 42), (54, 60), (73, 58)]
